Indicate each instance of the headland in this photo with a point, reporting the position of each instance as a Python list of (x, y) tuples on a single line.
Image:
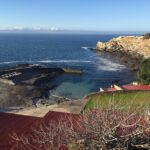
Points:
[(128, 49)]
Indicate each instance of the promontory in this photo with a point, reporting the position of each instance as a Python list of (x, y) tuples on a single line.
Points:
[(129, 49)]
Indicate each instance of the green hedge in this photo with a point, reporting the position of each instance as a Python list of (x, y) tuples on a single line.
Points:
[(146, 36), (143, 75)]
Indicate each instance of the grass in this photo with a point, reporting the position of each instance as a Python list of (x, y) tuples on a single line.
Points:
[(137, 101)]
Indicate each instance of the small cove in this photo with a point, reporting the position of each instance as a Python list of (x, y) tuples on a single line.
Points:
[(69, 51)]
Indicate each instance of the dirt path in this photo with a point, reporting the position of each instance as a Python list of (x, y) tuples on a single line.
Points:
[(41, 111)]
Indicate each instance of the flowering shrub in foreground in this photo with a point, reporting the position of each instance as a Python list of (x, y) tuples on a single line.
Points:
[(95, 130)]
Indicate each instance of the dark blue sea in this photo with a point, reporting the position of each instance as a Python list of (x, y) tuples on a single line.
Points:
[(70, 51)]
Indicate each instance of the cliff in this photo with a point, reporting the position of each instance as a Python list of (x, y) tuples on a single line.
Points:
[(131, 49)]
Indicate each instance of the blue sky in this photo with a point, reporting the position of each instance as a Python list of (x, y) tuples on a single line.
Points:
[(101, 15)]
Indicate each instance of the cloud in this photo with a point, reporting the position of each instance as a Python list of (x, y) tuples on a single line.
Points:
[(54, 29), (29, 28), (19, 29)]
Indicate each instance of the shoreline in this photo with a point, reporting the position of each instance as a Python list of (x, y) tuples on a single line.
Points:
[(29, 84), (41, 110), (131, 58)]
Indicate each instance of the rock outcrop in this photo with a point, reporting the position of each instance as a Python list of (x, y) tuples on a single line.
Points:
[(22, 85), (129, 49)]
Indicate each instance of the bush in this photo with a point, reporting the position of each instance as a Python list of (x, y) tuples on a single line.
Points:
[(143, 75), (146, 36), (96, 130)]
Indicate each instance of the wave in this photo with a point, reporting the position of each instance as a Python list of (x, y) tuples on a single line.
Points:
[(86, 48), (108, 65), (65, 61), (11, 62), (47, 61)]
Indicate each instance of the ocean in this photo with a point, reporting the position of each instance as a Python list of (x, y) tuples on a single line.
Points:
[(99, 70)]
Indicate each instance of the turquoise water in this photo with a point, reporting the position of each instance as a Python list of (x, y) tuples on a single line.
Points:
[(69, 51), (73, 90)]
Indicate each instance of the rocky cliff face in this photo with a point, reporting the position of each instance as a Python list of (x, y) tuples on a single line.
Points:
[(131, 49)]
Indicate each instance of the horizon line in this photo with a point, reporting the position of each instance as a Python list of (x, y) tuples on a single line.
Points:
[(55, 30)]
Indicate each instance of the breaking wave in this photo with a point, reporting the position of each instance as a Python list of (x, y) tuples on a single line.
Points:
[(10, 62), (65, 61), (108, 65), (85, 48), (47, 61)]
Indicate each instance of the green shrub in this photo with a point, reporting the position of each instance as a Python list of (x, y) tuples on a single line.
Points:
[(143, 75), (146, 36)]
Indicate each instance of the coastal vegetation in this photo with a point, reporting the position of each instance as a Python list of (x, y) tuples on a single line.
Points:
[(125, 101), (143, 75), (146, 36), (96, 129)]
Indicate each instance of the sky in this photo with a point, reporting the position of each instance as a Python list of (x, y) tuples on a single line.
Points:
[(92, 15)]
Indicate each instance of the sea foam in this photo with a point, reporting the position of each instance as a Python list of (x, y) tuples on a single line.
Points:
[(47, 61), (108, 65)]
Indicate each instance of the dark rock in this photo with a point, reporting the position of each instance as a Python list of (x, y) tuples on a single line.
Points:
[(31, 83)]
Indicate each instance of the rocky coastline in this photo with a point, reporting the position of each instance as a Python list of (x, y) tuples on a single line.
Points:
[(131, 50), (28, 84)]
